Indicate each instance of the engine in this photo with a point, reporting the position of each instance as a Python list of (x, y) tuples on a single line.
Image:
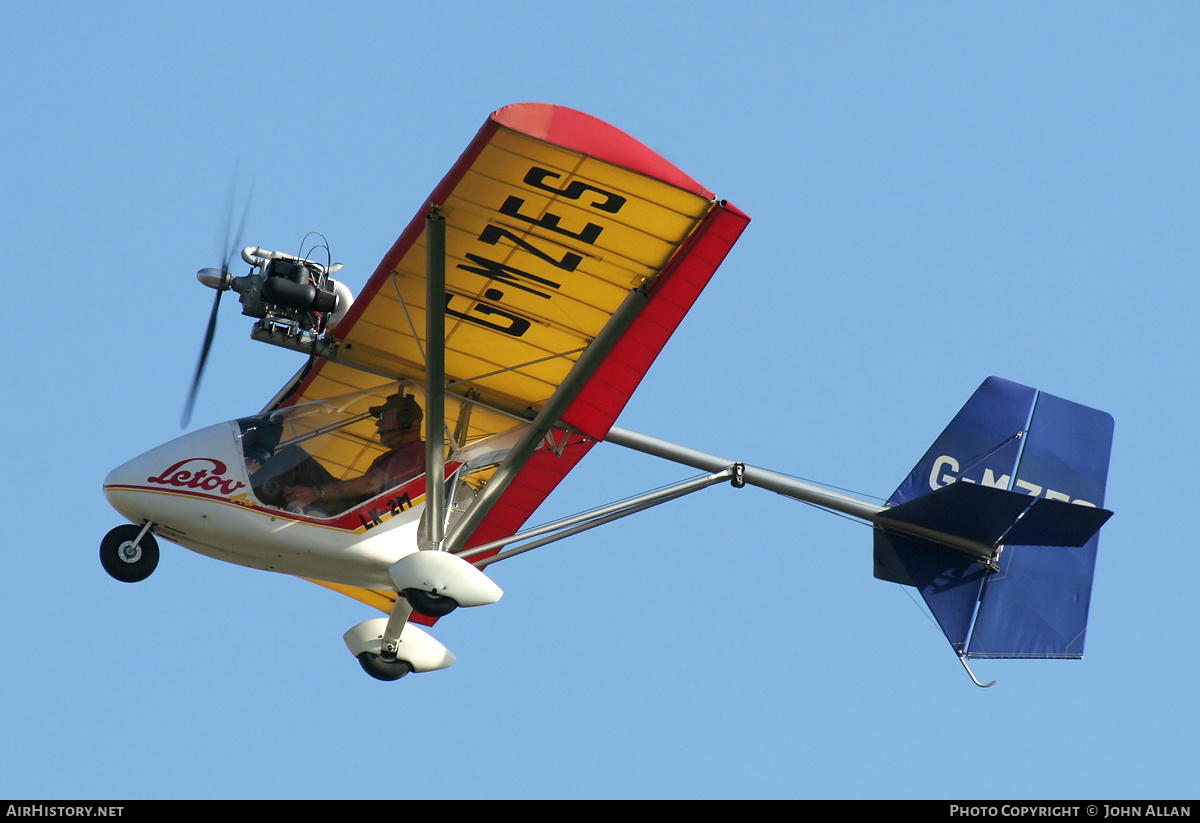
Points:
[(295, 299), (291, 295)]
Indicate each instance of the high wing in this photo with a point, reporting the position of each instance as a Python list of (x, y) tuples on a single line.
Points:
[(561, 231)]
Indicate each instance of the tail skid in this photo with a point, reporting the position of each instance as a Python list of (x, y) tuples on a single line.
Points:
[(971, 675)]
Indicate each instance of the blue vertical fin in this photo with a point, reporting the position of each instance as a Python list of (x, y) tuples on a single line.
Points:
[(1015, 466), (981, 444)]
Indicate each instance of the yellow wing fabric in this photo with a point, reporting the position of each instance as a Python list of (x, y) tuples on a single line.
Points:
[(542, 243), (552, 218)]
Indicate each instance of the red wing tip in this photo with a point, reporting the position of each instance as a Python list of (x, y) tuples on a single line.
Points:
[(577, 131)]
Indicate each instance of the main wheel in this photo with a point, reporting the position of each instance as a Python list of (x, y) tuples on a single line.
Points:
[(430, 604), (125, 559), (381, 669)]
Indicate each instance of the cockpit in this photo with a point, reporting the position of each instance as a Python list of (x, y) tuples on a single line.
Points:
[(323, 459)]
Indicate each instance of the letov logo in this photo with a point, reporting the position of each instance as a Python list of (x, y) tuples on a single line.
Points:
[(198, 476)]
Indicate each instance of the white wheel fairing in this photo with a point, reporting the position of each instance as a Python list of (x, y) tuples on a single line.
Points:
[(446, 575), (417, 647)]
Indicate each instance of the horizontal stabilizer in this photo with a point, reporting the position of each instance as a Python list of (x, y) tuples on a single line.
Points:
[(978, 513), (993, 516), (1055, 523)]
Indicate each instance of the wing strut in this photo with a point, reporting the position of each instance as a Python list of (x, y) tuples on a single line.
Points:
[(435, 414), (435, 377), (575, 524), (799, 490), (548, 417)]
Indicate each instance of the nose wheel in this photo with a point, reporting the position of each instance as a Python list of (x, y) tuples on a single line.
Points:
[(129, 553)]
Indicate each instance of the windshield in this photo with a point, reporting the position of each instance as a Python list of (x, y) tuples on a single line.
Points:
[(322, 459), (312, 459)]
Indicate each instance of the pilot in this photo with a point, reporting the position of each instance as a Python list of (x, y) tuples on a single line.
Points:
[(398, 423)]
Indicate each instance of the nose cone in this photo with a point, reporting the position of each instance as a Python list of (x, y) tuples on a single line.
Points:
[(157, 485)]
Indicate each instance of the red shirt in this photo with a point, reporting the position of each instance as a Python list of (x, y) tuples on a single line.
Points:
[(401, 464)]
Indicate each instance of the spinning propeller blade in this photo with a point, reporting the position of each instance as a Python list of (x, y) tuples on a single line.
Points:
[(218, 279)]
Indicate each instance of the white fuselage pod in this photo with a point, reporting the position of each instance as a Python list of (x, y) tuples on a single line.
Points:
[(197, 491)]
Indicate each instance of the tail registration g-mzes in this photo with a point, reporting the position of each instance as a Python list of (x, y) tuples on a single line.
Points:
[(494, 346)]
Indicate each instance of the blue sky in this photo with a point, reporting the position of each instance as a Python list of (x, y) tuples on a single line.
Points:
[(939, 192)]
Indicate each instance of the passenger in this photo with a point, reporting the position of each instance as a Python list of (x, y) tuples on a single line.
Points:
[(398, 423)]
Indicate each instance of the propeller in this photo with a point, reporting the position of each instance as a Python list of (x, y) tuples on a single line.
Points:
[(219, 279)]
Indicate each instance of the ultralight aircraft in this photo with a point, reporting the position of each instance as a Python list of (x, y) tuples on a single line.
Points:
[(495, 345)]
